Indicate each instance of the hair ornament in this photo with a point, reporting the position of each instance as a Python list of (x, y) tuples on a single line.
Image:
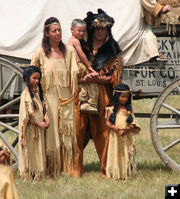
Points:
[(54, 23), (118, 91), (101, 23)]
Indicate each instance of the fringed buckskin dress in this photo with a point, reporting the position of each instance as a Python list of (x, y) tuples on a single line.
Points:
[(59, 82), (121, 149), (32, 154)]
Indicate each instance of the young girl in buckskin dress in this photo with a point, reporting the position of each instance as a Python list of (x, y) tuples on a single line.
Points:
[(33, 120), (121, 150)]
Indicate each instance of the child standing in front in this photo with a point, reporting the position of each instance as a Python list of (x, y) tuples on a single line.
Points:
[(121, 121), (33, 120), (89, 93)]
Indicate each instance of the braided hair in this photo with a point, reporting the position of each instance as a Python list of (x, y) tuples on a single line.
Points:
[(28, 71), (117, 93)]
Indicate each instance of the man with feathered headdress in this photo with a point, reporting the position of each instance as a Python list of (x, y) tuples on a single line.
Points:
[(103, 52)]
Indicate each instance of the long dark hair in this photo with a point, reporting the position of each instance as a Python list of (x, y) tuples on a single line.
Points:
[(110, 49), (28, 71), (117, 93), (45, 41)]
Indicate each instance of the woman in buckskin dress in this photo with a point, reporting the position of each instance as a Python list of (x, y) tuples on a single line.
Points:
[(59, 82)]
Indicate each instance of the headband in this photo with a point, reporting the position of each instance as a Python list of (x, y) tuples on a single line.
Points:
[(54, 23), (118, 91)]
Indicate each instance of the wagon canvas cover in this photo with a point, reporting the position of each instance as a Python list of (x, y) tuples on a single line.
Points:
[(22, 24)]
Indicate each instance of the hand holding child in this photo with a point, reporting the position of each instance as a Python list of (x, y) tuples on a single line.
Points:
[(89, 77), (93, 72)]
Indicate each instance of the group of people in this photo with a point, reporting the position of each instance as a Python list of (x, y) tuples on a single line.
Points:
[(74, 92), (69, 95)]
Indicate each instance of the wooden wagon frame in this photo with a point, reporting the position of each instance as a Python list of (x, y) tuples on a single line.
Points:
[(161, 76)]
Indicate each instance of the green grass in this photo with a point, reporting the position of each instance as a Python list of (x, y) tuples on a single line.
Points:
[(148, 183)]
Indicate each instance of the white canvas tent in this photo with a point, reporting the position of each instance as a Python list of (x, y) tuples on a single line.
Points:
[(22, 25)]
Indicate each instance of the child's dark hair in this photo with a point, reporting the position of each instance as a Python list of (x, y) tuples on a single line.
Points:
[(117, 93), (28, 71)]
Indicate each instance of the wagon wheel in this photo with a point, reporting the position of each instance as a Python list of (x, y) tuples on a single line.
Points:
[(165, 125), (10, 77)]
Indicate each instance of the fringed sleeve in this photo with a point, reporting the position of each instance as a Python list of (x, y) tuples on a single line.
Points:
[(23, 116), (157, 9), (23, 121), (152, 6), (150, 11), (136, 128), (74, 70), (26, 115), (36, 58)]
